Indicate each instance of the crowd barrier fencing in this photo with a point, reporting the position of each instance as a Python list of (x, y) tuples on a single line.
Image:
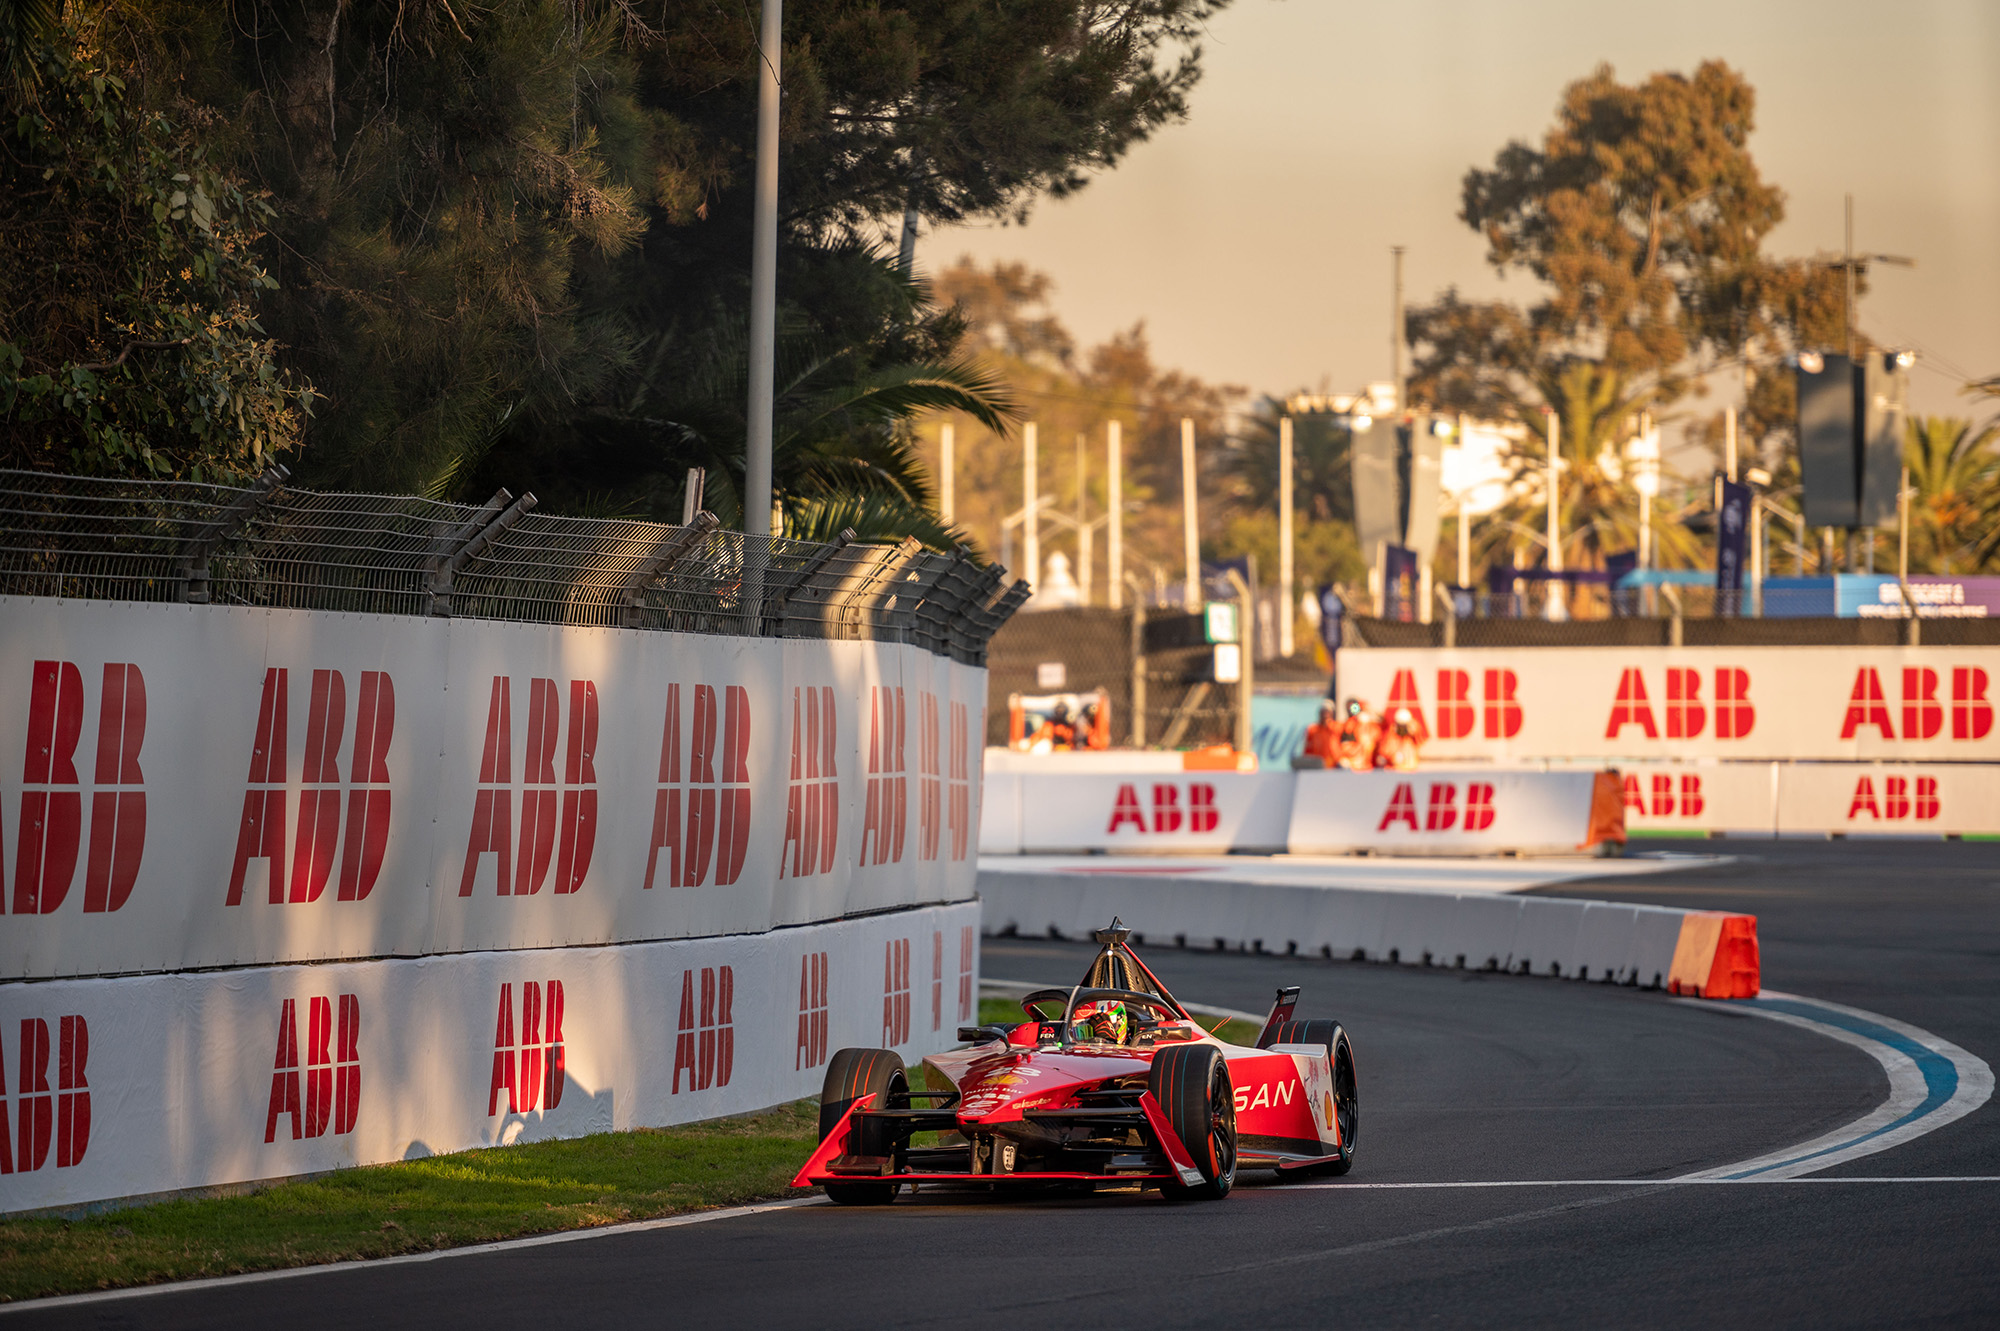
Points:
[(210, 785), (1695, 952), (144, 1085)]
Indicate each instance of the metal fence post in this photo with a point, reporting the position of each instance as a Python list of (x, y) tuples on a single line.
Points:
[(467, 547), (225, 526)]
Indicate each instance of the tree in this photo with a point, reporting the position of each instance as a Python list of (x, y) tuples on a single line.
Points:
[(1642, 217), (1955, 513), (130, 296)]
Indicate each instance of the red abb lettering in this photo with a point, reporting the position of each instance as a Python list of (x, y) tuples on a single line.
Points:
[(1895, 797), (1402, 808), (51, 826), (1443, 811), (1866, 707), (1971, 714), (930, 781), (1125, 809), (331, 1069), (1663, 794), (1454, 705), (937, 979), (896, 992), (42, 1113), (1202, 813), (1631, 707), (1692, 802), (1927, 806), (261, 832), (812, 1011), (1686, 718), (1166, 807), (1923, 715), (1635, 794), (1403, 693), (531, 1070), (886, 808), (812, 796), (968, 943), (705, 1039), (1864, 799), (1501, 713), (1735, 717), (1478, 806), (959, 788), (712, 826), (569, 837)]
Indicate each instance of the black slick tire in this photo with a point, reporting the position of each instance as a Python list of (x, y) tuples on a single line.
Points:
[(1330, 1036), (1192, 1087), (851, 1074)]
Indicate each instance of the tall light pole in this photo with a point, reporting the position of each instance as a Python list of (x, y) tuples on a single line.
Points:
[(1083, 529), (763, 284), (947, 496), (1396, 332), (1287, 607), (1191, 535), (1555, 561), (1114, 495), (1031, 526)]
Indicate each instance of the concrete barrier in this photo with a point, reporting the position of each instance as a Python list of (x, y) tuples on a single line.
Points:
[(1694, 952)]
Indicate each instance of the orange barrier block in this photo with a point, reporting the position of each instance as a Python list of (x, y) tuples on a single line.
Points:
[(1218, 758), (1716, 956), (1607, 810)]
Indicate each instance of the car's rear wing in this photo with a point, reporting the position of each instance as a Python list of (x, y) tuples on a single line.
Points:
[(1281, 1012)]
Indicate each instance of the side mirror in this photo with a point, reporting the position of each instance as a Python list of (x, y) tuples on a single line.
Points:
[(981, 1034)]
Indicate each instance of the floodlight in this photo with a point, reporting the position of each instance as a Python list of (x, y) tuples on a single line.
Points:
[(1811, 362)]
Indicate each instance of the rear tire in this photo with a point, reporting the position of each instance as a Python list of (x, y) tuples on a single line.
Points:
[(1346, 1091), (1191, 1084), (851, 1074)]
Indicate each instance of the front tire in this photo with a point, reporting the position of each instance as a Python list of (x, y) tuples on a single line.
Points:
[(1346, 1090), (851, 1074), (1192, 1087)]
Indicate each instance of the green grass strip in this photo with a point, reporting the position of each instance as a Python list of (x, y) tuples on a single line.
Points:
[(446, 1201)]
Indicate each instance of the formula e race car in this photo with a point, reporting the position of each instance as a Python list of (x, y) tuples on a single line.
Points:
[(1108, 1084)]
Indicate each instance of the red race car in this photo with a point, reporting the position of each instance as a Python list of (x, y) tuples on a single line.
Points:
[(1109, 1084)]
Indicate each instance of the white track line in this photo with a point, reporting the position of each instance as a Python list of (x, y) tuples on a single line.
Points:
[(409, 1259), (1640, 1182)]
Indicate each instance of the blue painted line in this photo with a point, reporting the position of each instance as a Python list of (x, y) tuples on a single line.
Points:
[(1940, 1075)]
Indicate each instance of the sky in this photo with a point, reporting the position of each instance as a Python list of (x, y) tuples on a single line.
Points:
[(1254, 239)]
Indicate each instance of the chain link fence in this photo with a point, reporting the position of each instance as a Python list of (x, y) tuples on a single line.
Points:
[(272, 545)]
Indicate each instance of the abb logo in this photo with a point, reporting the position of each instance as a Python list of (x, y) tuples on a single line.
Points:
[(1897, 802), (967, 941), (705, 1038), (937, 979), (332, 1069), (39, 1112), (886, 812), (523, 873), (1201, 814), (930, 785), (1663, 803), (1923, 713), (1687, 715), (812, 797), (1498, 715), (261, 833), (51, 827), (812, 1011), (1443, 813), (958, 791), (703, 823), (530, 1070), (896, 993)]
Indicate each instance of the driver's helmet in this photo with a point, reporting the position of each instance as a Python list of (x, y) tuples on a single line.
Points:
[(1104, 1022), (1354, 707)]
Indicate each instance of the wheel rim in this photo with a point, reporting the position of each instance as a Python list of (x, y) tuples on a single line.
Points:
[(1222, 1124)]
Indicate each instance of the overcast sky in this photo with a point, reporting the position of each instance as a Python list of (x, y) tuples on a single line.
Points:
[(1254, 240)]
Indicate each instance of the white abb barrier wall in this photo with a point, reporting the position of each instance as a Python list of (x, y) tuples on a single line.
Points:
[(1440, 812), (1432, 812), (1476, 930), (148, 1084), (1892, 704), (215, 786), (1813, 799)]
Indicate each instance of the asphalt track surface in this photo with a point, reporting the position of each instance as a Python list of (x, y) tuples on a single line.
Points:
[(1464, 1078)]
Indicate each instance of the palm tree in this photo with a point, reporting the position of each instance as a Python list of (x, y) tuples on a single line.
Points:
[(1955, 512)]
